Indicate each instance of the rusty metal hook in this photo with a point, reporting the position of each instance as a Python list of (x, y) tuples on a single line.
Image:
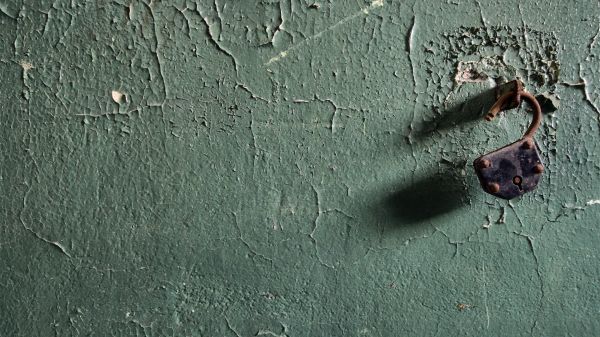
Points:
[(517, 94)]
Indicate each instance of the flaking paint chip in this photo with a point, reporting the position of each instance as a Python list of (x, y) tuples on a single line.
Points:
[(26, 65), (117, 96)]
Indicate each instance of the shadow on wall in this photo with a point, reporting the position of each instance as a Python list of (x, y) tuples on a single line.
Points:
[(471, 107), (427, 198), (474, 107)]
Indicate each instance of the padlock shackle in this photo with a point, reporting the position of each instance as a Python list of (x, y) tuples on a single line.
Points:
[(503, 100)]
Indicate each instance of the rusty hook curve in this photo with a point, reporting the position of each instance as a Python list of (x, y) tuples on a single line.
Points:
[(537, 110)]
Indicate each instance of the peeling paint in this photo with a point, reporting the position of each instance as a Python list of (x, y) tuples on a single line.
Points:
[(168, 165), (117, 97)]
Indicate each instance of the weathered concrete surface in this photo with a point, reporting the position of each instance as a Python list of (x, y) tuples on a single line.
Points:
[(293, 168)]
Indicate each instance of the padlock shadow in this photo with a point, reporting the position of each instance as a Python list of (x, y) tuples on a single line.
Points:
[(429, 197)]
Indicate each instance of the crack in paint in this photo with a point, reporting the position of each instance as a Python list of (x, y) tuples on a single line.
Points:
[(215, 41), (364, 11), (541, 279), (37, 235)]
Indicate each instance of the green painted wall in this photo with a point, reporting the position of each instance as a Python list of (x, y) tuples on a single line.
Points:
[(293, 168)]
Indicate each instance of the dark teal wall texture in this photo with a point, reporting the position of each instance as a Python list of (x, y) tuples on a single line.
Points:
[(293, 168)]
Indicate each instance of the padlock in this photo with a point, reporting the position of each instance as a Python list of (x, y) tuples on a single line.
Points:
[(514, 169)]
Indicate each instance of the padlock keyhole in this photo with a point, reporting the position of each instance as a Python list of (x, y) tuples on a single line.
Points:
[(518, 180)]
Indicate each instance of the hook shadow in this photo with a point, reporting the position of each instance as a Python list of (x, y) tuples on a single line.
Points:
[(471, 107)]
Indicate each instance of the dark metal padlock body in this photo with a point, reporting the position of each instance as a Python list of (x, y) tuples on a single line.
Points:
[(510, 171)]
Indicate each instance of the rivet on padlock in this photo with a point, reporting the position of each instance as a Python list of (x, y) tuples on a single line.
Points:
[(514, 169)]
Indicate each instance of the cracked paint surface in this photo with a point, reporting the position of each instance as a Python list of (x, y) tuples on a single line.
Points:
[(293, 168)]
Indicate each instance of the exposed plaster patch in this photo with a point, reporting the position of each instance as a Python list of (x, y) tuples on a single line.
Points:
[(472, 72), (26, 65), (376, 3), (593, 202), (463, 306)]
